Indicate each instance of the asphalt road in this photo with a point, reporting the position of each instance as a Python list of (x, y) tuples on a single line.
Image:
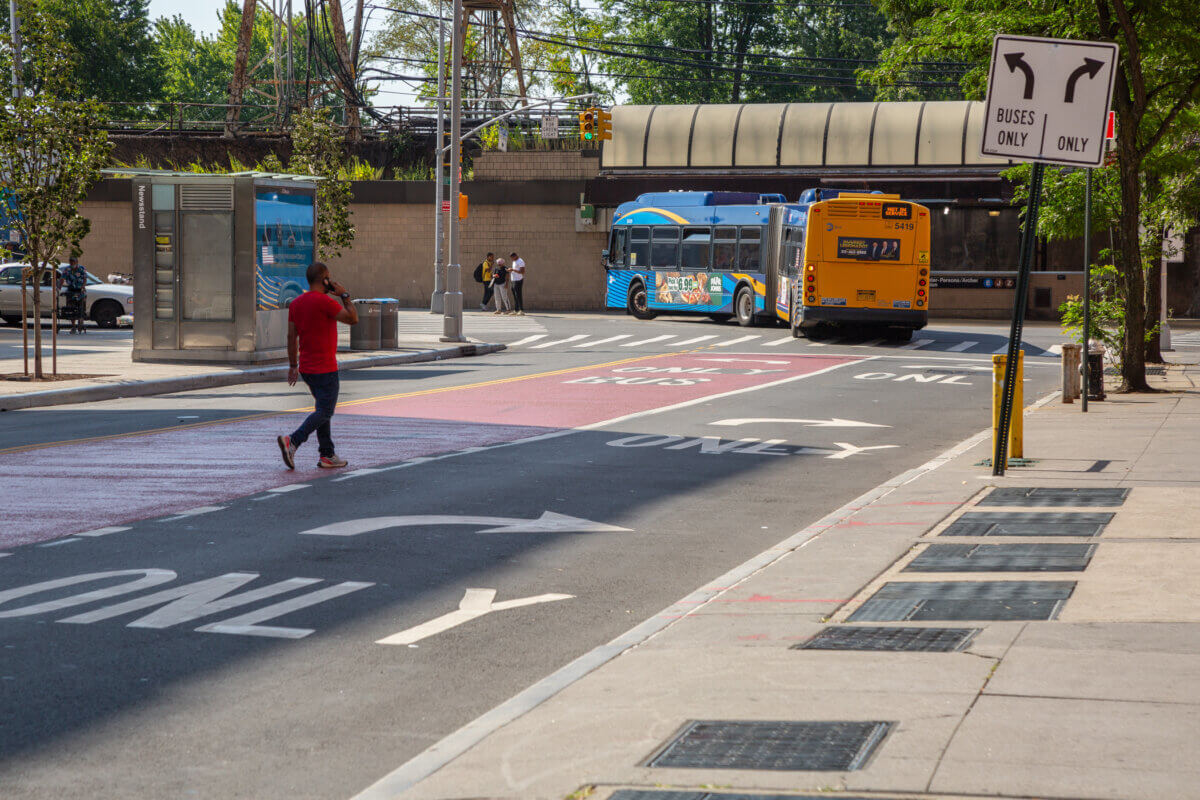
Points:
[(180, 616)]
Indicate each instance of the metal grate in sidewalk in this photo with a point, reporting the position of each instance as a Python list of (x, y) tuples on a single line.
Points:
[(1002, 558), (1024, 523), (747, 744), (952, 601), (890, 639), (1053, 496)]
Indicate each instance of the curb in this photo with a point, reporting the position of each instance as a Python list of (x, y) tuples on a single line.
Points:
[(88, 394)]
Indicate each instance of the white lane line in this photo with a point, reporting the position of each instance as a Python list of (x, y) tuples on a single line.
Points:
[(606, 341), (194, 512), (57, 542), (961, 346), (103, 531), (738, 340), (777, 342), (528, 339), (915, 345), (291, 487), (567, 340), (451, 747), (650, 340), (697, 339), (5, 555)]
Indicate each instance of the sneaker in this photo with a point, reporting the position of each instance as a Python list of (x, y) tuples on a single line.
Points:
[(520, 313), (289, 452), (497, 313), (331, 462)]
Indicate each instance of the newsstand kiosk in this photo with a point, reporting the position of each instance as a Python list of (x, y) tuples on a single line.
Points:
[(216, 260)]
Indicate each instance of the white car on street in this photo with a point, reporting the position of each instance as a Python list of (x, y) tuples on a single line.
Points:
[(106, 302)]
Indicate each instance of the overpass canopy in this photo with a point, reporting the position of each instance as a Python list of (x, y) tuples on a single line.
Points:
[(758, 137)]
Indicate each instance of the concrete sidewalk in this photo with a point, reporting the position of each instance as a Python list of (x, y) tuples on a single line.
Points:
[(107, 356), (1060, 648)]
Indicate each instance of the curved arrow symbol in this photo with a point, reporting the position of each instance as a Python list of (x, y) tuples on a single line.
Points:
[(549, 522), (812, 423), (1091, 68), (1017, 61)]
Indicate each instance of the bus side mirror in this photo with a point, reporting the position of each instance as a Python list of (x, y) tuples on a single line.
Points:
[(604, 257)]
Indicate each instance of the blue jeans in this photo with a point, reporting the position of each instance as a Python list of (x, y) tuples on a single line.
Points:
[(324, 388)]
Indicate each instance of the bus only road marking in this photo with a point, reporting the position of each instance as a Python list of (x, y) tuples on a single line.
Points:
[(713, 445)]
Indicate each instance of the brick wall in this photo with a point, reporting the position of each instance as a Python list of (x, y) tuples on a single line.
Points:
[(563, 165), (109, 245)]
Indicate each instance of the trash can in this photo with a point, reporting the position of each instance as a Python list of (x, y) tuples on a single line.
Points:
[(1095, 387), (389, 319), (365, 335)]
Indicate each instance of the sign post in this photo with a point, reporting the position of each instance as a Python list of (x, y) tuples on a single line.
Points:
[(1047, 103)]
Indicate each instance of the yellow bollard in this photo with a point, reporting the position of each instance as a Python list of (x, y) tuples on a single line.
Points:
[(1016, 426)]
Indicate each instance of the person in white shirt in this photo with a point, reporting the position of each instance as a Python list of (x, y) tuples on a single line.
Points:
[(518, 282)]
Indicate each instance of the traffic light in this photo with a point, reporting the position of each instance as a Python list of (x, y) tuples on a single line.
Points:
[(603, 124), (587, 124)]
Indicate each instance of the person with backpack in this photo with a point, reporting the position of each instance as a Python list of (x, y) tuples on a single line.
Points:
[(75, 279), (483, 274), (500, 286)]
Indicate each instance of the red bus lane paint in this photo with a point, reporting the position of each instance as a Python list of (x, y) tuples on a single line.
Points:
[(116, 480)]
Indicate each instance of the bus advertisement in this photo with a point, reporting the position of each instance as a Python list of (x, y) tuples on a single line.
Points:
[(834, 258)]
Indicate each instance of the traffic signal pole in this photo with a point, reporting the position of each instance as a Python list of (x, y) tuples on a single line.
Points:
[(437, 302), (453, 299)]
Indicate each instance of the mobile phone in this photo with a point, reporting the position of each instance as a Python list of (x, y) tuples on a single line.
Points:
[(328, 285)]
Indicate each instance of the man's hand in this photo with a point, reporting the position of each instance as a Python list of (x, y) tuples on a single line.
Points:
[(293, 375), (337, 288)]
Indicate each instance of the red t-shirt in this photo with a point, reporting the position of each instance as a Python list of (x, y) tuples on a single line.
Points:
[(315, 316)]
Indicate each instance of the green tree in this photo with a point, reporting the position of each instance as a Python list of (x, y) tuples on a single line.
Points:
[(319, 149), (52, 148), (1157, 81), (194, 67)]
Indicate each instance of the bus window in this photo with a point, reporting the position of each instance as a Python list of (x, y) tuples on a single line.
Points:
[(697, 248), (748, 253), (616, 253), (725, 248), (793, 251), (639, 247), (665, 251)]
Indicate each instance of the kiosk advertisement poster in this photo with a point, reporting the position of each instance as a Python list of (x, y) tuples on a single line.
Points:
[(283, 245)]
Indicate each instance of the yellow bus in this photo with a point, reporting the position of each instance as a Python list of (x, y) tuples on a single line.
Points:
[(854, 260)]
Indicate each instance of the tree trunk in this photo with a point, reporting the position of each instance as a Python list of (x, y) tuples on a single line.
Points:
[(37, 326), (1154, 305), (237, 84), (1132, 279)]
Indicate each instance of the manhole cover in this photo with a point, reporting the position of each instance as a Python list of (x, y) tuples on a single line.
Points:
[(1017, 523), (658, 794), (1002, 558), (951, 601), (924, 640), (1047, 496), (821, 746)]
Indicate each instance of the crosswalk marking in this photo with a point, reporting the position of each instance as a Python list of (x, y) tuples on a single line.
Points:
[(649, 341), (1056, 349), (778, 342), (605, 341), (915, 345), (697, 339), (1000, 351), (553, 342), (528, 339), (961, 346), (738, 340), (871, 343)]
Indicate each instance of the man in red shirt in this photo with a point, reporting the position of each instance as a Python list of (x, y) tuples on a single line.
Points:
[(312, 355)]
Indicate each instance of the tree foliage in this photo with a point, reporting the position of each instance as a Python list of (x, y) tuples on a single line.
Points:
[(1157, 86), (52, 148), (318, 148)]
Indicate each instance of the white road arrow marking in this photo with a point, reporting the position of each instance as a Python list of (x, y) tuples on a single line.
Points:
[(812, 423), (549, 522), (475, 603)]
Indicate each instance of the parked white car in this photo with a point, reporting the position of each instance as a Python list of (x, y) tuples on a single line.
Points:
[(106, 302)]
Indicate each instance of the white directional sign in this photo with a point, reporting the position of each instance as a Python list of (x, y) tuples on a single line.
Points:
[(549, 126), (1048, 100)]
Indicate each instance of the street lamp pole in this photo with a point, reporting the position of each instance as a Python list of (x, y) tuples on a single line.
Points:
[(436, 304), (453, 308), (14, 25)]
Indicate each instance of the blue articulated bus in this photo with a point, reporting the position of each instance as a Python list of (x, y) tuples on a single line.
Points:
[(834, 257)]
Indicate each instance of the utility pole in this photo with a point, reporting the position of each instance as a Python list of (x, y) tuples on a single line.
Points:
[(437, 303), (452, 321), (14, 24)]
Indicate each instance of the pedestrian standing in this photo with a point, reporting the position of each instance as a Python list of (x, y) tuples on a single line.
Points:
[(75, 279), (312, 355), (518, 283), (485, 276), (500, 286)]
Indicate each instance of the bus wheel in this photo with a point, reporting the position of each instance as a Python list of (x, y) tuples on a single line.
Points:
[(899, 334), (743, 307), (638, 304)]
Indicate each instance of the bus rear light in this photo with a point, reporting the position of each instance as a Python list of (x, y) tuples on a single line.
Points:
[(924, 272), (920, 303), (921, 282), (812, 267), (809, 299), (812, 277), (920, 292)]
